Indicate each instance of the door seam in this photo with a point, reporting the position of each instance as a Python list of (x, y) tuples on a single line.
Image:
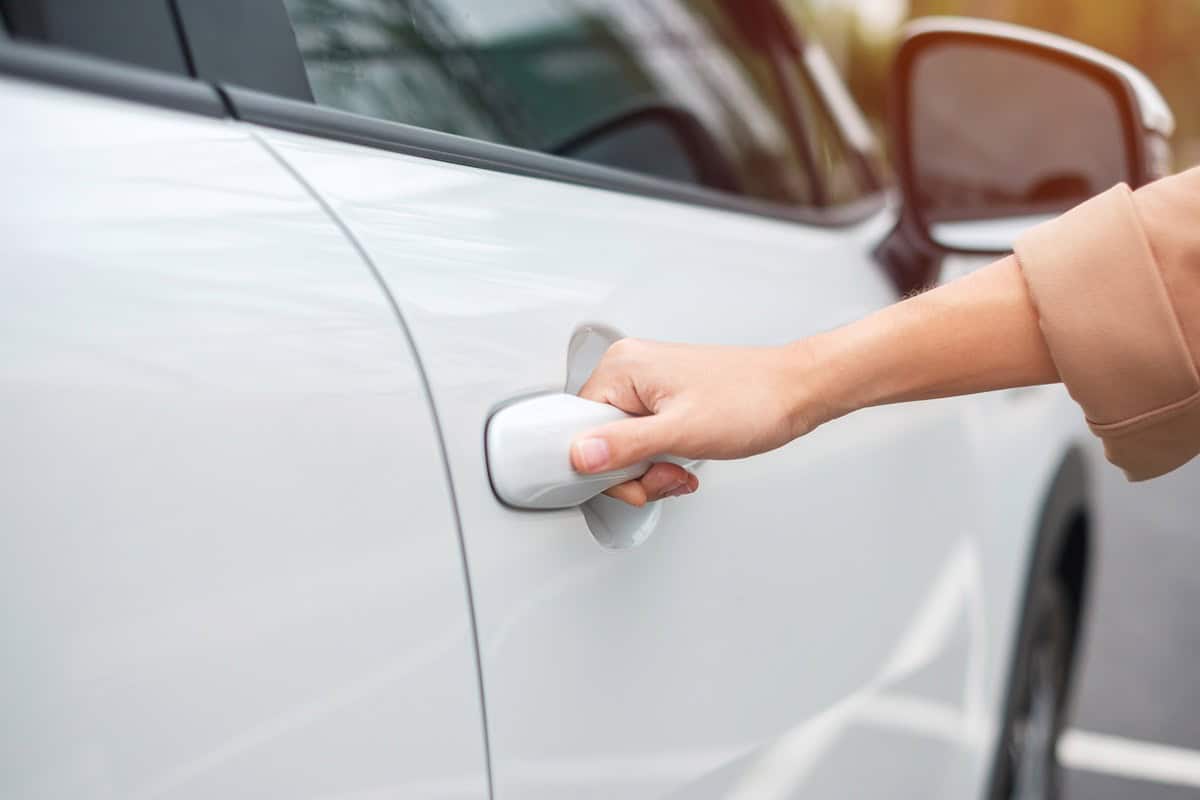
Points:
[(437, 425)]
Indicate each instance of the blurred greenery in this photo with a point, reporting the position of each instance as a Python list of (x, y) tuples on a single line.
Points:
[(1160, 37)]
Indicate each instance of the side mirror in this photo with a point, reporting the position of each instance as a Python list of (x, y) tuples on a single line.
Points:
[(999, 127)]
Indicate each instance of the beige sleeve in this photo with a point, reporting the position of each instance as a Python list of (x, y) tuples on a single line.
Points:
[(1116, 283)]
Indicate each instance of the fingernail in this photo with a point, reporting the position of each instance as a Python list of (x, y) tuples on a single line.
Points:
[(592, 454), (680, 490)]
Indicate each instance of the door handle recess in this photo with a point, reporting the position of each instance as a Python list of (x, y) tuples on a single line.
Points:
[(529, 452)]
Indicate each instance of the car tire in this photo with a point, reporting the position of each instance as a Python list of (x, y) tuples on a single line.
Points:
[(1039, 699)]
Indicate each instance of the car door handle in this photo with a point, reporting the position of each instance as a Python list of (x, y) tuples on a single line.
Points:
[(529, 452)]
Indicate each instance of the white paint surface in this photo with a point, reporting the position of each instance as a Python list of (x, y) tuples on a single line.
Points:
[(228, 558)]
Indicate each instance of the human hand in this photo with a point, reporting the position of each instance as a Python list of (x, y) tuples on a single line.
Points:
[(693, 401)]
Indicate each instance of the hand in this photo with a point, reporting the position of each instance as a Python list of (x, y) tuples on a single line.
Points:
[(692, 401)]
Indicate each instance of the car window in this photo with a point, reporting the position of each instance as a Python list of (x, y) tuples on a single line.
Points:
[(670, 88), (723, 71), (396, 60), (834, 161), (137, 32), (245, 43)]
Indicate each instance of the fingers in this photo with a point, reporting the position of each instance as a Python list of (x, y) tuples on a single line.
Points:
[(631, 492), (623, 443), (661, 481), (595, 388), (612, 381)]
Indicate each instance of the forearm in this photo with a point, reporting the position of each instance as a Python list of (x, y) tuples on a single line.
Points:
[(974, 334)]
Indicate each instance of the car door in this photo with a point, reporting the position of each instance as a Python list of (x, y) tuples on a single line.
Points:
[(809, 622), (229, 562)]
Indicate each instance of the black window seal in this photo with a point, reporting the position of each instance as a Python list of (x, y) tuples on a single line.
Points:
[(328, 123), (59, 67)]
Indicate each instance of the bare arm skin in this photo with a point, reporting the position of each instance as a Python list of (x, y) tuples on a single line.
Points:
[(974, 334)]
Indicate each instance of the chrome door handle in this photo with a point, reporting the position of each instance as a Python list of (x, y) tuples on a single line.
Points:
[(529, 452)]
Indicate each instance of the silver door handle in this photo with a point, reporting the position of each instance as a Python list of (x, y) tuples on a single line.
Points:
[(529, 452)]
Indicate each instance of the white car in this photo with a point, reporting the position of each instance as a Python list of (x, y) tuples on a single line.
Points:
[(268, 268)]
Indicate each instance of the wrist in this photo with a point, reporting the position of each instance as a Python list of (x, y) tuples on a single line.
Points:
[(839, 371), (813, 383)]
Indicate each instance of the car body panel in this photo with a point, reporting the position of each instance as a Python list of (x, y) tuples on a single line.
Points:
[(814, 608), (230, 564)]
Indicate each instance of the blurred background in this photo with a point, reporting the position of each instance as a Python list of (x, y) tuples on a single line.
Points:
[(1140, 681), (1160, 37)]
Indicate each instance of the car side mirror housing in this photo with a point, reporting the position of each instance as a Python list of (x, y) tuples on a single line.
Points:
[(998, 127)]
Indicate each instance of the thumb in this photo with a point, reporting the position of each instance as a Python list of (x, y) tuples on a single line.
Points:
[(622, 443)]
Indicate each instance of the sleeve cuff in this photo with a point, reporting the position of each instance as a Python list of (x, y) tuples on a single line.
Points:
[(1106, 315)]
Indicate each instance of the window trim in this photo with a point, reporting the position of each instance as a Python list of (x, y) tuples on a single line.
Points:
[(59, 67), (329, 123)]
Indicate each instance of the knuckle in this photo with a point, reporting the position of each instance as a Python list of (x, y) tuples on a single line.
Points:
[(619, 349), (626, 348), (592, 389)]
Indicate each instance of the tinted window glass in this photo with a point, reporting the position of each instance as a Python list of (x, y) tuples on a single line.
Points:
[(138, 32), (672, 88), (833, 160), (244, 42), (724, 75), (397, 60), (639, 143)]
